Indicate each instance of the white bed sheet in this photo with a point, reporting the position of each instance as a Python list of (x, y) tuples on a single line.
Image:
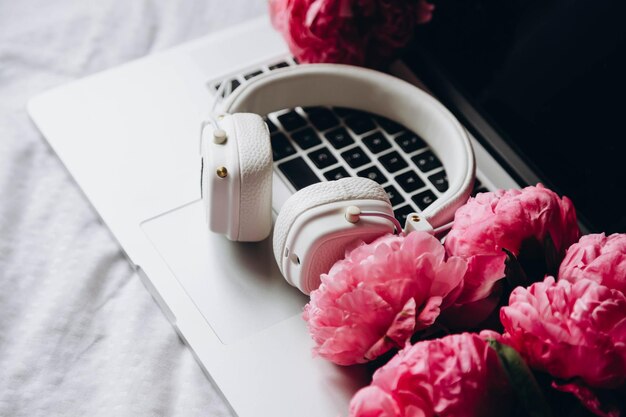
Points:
[(79, 334)]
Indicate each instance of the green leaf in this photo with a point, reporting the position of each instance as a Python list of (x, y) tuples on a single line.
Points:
[(524, 384)]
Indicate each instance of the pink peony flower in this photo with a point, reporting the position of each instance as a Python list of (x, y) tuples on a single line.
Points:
[(358, 32), (569, 330), (455, 376), (376, 298), (520, 221), (599, 258), (572, 331)]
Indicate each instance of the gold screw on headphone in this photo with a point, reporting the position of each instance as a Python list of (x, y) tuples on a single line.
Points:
[(222, 172)]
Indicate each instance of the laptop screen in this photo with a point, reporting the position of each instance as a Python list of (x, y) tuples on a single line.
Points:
[(549, 76)]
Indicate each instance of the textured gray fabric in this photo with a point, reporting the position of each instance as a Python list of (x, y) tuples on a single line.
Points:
[(79, 334)]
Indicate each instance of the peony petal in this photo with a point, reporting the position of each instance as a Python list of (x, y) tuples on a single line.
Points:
[(599, 258), (570, 330), (367, 303), (373, 402), (470, 315), (428, 313), (449, 278), (403, 325), (457, 375), (505, 219), (345, 31), (588, 398)]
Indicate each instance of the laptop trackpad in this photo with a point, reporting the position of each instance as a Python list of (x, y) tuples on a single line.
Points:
[(236, 286)]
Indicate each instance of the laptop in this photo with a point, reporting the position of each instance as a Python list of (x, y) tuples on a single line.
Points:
[(129, 137), (542, 86)]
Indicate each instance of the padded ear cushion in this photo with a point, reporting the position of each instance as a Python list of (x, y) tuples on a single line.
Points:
[(319, 194), (255, 166)]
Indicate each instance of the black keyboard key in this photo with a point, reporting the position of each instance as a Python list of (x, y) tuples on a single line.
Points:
[(342, 111), (291, 121), (312, 109), (410, 142), (373, 174), (278, 65), (426, 161), (306, 138), (216, 87), (322, 158), (234, 84), (336, 174), (340, 138), (271, 126), (440, 181), (376, 142), (322, 118), (479, 190), (298, 173), (477, 185), (394, 196), (402, 213), (410, 181), (281, 147), (424, 199), (355, 157), (393, 161), (390, 126), (360, 122), (253, 74)]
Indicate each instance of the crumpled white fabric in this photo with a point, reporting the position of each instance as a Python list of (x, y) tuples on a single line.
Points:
[(79, 334)]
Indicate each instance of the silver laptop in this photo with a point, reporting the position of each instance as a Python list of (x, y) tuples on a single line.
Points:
[(129, 136)]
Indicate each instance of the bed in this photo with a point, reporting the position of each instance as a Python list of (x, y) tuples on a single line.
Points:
[(79, 334)]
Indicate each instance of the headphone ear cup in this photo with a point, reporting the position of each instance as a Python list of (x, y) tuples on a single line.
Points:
[(311, 232), (255, 169), (237, 178)]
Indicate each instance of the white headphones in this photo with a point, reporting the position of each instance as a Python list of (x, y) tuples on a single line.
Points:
[(318, 222)]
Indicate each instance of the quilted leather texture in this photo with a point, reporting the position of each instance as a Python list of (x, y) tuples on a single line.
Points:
[(255, 165), (325, 257), (327, 254), (319, 194)]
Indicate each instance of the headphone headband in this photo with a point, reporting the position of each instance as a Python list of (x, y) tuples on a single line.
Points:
[(378, 93)]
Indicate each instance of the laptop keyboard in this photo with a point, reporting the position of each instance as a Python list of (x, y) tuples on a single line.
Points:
[(313, 144)]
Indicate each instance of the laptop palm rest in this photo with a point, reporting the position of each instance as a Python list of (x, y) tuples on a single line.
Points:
[(236, 286)]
